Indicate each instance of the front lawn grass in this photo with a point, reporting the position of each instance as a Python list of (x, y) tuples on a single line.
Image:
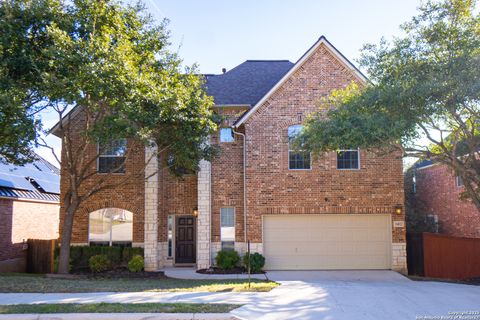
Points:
[(19, 283), (118, 308)]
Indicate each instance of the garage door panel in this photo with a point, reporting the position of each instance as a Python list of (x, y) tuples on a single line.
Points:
[(328, 241)]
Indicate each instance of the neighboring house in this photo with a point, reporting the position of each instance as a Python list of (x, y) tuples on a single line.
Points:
[(29, 209), (433, 193), (342, 211)]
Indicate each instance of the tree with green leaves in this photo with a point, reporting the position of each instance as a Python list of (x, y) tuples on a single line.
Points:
[(110, 64), (423, 98)]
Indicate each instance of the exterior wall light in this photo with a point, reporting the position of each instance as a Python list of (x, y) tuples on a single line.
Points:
[(398, 209), (195, 212)]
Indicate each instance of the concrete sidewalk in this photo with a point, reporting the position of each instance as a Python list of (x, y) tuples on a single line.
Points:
[(131, 297), (312, 295), (120, 316), (190, 273)]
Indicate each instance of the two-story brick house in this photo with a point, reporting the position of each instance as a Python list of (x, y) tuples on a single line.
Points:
[(341, 211), (434, 196)]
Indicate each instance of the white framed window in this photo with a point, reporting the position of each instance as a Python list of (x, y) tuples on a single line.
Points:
[(227, 228), (459, 181), (110, 227), (348, 159), (170, 222), (226, 135), (297, 159), (111, 156), (414, 183)]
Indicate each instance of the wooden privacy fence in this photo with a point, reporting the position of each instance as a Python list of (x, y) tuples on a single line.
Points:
[(441, 256), (40, 256)]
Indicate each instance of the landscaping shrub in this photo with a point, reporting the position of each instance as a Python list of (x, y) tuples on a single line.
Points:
[(257, 261), (99, 263), (129, 252), (136, 263), (118, 256), (227, 259)]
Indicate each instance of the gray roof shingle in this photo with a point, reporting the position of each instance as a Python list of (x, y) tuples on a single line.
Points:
[(247, 83)]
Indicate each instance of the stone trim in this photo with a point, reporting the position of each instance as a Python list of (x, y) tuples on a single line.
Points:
[(79, 244), (204, 215), (399, 257), (214, 248), (163, 260), (151, 209)]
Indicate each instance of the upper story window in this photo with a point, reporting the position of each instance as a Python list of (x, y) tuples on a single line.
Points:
[(226, 135), (348, 159), (459, 181), (111, 156), (297, 159)]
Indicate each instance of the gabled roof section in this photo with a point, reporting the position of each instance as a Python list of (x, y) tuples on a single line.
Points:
[(247, 83), (298, 64)]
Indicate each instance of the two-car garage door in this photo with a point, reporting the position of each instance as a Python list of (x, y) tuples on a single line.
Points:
[(327, 241)]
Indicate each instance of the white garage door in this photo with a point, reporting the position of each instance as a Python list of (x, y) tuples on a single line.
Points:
[(327, 241)]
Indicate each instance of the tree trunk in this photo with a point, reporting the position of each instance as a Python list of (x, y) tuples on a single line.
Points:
[(64, 258)]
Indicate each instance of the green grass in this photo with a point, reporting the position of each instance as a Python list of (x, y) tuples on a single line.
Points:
[(40, 284), (118, 308)]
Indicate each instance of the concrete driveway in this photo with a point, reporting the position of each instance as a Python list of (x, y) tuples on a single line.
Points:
[(334, 295), (319, 295)]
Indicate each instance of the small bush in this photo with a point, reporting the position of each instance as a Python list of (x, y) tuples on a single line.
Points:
[(257, 261), (136, 263), (118, 256), (227, 259), (129, 252), (99, 263)]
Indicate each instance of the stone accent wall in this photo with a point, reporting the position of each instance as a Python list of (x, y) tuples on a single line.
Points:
[(22, 220), (163, 260), (399, 257), (214, 248), (151, 210), (204, 215), (437, 194)]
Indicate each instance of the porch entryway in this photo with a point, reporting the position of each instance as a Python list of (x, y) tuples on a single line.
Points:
[(185, 240)]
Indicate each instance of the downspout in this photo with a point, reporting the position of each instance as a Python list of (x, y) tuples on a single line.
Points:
[(244, 186)]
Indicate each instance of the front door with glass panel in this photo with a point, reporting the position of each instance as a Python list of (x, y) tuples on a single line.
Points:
[(185, 240)]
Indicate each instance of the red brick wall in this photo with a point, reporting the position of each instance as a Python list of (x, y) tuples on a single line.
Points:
[(438, 194), (227, 176), (21, 220), (129, 195), (274, 189), (176, 196)]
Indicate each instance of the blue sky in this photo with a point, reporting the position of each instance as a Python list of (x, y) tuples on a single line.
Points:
[(222, 34)]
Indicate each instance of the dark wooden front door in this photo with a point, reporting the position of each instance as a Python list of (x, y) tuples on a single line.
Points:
[(185, 240)]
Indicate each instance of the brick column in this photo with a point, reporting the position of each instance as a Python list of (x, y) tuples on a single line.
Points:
[(151, 209), (204, 215)]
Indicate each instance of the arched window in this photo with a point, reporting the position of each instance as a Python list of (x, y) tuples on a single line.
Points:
[(110, 227), (298, 159)]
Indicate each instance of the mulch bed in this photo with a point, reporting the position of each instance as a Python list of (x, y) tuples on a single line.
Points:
[(238, 270), (119, 273), (471, 281)]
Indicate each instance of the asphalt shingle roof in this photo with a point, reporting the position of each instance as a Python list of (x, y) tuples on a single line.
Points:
[(247, 83)]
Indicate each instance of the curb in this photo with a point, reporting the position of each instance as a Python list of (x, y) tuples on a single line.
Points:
[(120, 316)]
